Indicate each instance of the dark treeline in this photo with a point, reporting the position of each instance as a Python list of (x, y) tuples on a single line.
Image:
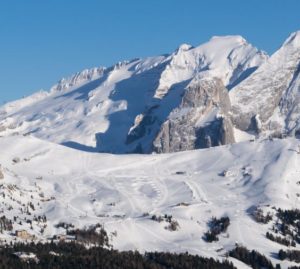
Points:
[(292, 255), (280, 240), (259, 261), (252, 258), (95, 235), (75, 256), (260, 217), (290, 217), (5, 224), (217, 226), (289, 224)]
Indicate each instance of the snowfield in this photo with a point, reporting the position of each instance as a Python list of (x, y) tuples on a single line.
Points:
[(124, 191), (57, 170)]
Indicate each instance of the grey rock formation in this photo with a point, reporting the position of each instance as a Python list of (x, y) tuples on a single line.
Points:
[(200, 121), (271, 93), (142, 122), (1, 173), (218, 132)]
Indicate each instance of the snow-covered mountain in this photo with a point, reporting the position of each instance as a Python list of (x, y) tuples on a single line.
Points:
[(126, 108), (267, 102), (219, 93)]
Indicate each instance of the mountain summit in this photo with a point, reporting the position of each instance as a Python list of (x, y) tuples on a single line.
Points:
[(270, 96), (127, 107)]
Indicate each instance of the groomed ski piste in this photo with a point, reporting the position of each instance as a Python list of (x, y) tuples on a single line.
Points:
[(123, 192)]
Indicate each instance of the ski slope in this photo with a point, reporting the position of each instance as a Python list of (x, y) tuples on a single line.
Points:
[(124, 191)]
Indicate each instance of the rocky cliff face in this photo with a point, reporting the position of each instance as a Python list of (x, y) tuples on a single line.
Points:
[(270, 96), (200, 121), (1, 173)]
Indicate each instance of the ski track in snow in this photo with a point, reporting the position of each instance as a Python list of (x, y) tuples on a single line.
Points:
[(118, 191)]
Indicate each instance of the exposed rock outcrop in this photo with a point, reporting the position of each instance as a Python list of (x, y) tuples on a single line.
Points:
[(1, 173), (200, 121), (272, 93)]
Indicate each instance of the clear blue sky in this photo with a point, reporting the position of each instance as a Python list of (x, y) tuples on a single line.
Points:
[(42, 41)]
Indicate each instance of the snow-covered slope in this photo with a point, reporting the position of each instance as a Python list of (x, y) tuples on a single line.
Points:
[(124, 191), (168, 103), (268, 100), (101, 109)]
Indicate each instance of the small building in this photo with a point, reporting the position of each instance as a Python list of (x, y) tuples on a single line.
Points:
[(23, 234), (60, 237), (226, 173), (64, 237)]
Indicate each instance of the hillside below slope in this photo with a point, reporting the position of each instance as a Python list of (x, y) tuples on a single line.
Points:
[(124, 193)]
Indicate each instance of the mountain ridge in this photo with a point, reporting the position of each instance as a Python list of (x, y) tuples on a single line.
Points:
[(97, 109), (267, 93), (140, 106)]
